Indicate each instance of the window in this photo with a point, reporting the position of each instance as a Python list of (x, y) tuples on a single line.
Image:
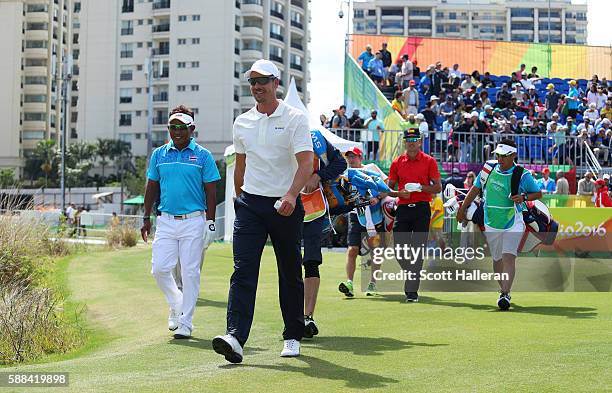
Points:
[(38, 44), (392, 24), (499, 29), (195, 41), (522, 12), (138, 113), (195, 18), (420, 25), (35, 98), (125, 96), (181, 88), (35, 116), (37, 8), (181, 64), (125, 118), (252, 45), (30, 135), (37, 26), (35, 80), (296, 62), (140, 22), (182, 18), (182, 41), (371, 12), (358, 13), (276, 53), (195, 87), (419, 12), (127, 50), (127, 27), (128, 6), (36, 62), (126, 73), (195, 64), (522, 26), (359, 26), (392, 12), (276, 31), (452, 15), (139, 67)]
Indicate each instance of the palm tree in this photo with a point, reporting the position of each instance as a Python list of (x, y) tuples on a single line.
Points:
[(47, 153), (104, 149), (80, 157)]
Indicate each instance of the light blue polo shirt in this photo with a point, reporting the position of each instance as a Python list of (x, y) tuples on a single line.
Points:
[(181, 175)]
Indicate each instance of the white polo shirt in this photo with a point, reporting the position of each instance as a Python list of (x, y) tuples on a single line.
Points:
[(270, 144)]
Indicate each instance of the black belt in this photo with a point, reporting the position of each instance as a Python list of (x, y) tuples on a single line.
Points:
[(415, 204)]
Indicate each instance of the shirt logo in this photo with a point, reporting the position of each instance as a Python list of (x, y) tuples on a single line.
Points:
[(193, 158), (279, 129)]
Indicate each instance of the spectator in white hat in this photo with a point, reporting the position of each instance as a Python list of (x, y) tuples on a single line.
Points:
[(592, 113)]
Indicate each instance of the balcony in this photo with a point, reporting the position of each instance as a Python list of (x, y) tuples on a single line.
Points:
[(251, 53), (276, 58), (160, 97), (298, 3), (252, 31), (161, 51), (127, 31), (125, 76), (162, 28), (126, 54), (277, 37), (295, 23), (252, 8), (161, 5), (297, 67), (125, 122), (277, 14), (297, 45), (125, 100), (160, 121)]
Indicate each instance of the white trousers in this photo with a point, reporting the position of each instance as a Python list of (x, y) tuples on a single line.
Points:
[(179, 240)]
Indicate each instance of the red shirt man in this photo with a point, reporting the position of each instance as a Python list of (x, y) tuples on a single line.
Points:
[(417, 177), (602, 199)]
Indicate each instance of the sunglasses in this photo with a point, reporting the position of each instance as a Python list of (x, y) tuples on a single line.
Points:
[(178, 126), (262, 80), (503, 155)]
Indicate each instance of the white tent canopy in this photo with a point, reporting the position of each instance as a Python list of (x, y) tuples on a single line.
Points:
[(292, 98)]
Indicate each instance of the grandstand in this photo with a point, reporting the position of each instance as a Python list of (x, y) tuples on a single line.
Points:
[(537, 146)]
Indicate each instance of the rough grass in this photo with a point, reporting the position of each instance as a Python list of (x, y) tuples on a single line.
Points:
[(449, 342), (32, 320)]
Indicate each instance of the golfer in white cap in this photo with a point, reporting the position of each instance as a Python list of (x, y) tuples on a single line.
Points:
[(183, 175), (503, 216), (274, 160)]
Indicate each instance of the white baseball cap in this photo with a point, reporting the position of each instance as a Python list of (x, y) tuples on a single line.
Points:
[(263, 67), (183, 118), (504, 150)]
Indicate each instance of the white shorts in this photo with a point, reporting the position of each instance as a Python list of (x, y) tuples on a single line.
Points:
[(505, 241)]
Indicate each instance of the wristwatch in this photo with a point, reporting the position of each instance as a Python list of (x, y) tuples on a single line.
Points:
[(524, 195)]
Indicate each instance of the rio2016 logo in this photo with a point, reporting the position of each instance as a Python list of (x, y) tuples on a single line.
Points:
[(585, 230)]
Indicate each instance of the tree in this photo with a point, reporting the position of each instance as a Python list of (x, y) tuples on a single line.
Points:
[(7, 178), (79, 160), (135, 181), (44, 159), (104, 149)]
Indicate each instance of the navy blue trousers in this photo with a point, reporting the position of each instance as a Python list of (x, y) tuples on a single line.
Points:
[(256, 219)]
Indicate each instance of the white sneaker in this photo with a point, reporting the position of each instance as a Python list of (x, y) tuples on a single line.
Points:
[(291, 348), (173, 320), (229, 347), (182, 332)]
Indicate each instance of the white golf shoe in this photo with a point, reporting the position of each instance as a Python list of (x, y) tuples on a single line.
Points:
[(291, 348), (182, 332), (229, 347), (173, 320)]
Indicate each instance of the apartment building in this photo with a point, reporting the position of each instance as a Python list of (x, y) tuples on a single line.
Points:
[(511, 20)]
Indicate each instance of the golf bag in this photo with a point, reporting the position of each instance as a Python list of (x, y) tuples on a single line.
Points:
[(540, 227)]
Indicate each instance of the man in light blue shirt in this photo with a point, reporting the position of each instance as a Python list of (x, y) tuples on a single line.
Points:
[(365, 58), (375, 126), (183, 175), (376, 69)]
